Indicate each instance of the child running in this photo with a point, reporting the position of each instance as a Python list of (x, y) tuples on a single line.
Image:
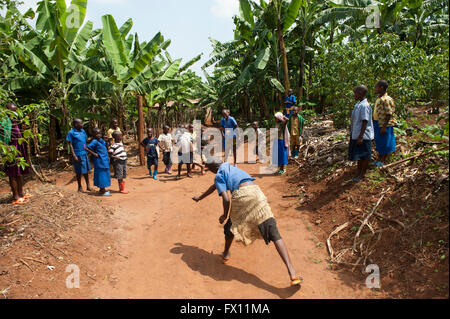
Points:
[(119, 160), (151, 143), (77, 139), (102, 175), (166, 146), (362, 133), (250, 217)]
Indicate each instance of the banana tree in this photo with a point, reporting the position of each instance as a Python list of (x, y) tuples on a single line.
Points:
[(45, 56)]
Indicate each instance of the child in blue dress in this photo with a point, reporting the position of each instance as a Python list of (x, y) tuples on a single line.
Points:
[(77, 139), (102, 175)]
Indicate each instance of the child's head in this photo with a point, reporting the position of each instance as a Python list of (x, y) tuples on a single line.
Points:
[(381, 87), (255, 125), (97, 133), (117, 136), (191, 128), (225, 113), (166, 129), (360, 92), (290, 92), (11, 106), (295, 110), (149, 133), (213, 164), (78, 124), (114, 123)]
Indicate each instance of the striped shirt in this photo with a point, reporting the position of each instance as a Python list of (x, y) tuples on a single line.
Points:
[(118, 150)]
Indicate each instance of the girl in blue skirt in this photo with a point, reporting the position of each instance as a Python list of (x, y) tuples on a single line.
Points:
[(102, 175), (280, 157)]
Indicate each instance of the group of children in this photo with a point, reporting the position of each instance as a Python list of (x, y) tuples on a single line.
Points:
[(368, 125), (104, 153)]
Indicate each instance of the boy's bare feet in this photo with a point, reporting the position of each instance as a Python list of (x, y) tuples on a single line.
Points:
[(80, 189), (226, 257)]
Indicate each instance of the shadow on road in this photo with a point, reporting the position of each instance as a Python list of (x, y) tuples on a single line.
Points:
[(210, 265)]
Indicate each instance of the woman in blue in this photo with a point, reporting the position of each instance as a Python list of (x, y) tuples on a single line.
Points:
[(282, 147), (77, 139), (102, 175), (250, 216)]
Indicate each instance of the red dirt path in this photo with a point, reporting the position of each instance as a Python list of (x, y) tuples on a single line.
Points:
[(170, 245)]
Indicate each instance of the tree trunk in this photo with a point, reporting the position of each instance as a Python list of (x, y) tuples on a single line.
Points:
[(302, 72), (52, 153), (286, 82), (310, 76), (263, 104), (141, 130)]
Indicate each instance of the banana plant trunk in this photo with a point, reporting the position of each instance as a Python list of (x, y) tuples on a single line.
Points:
[(302, 73), (286, 81), (52, 152), (141, 129)]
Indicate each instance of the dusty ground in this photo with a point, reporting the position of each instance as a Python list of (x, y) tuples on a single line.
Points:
[(157, 243)]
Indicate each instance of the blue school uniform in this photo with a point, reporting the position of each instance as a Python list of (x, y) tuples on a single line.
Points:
[(280, 151), (78, 138), (229, 125), (386, 143), (290, 106), (152, 153), (102, 175), (229, 178)]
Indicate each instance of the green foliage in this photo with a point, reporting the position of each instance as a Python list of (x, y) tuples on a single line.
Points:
[(386, 57)]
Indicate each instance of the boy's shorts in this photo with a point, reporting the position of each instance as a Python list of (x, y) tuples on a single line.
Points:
[(120, 169), (360, 153), (185, 156), (152, 161), (167, 160), (268, 229)]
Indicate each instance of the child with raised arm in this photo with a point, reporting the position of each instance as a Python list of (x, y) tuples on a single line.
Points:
[(166, 146), (362, 133), (119, 160), (102, 175), (151, 143), (250, 217), (77, 139)]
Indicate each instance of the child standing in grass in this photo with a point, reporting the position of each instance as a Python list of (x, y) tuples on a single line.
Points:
[(119, 160), (151, 143), (77, 139), (384, 123), (362, 133), (166, 145), (296, 122), (102, 176)]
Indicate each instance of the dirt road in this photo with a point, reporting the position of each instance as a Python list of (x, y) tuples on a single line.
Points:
[(170, 246)]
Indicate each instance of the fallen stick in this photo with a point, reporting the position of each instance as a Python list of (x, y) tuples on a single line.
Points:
[(291, 196), (414, 157), (391, 219), (13, 222), (337, 230), (25, 263), (38, 261), (365, 221)]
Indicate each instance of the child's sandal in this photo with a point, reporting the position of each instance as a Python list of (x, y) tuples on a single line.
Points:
[(297, 282), (20, 201)]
